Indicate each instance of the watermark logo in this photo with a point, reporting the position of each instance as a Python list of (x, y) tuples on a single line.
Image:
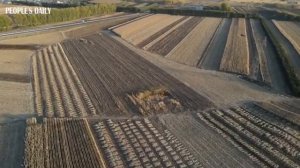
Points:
[(27, 10)]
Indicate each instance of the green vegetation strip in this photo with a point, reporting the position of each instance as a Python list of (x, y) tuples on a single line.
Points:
[(282, 55), (8, 22)]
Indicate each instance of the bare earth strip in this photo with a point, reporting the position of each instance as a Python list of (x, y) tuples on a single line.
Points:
[(12, 144), (190, 50), (207, 146), (130, 29), (293, 56), (270, 68), (143, 34), (214, 53), (291, 31), (15, 100), (236, 54)]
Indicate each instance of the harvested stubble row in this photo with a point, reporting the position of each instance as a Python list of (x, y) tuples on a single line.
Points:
[(61, 143), (112, 72), (166, 44), (131, 29), (57, 89), (265, 142), (291, 30), (159, 33), (139, 144), (190, 50), (236, 55)]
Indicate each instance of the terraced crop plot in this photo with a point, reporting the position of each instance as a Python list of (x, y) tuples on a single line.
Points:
[(166, 44), (137, 143), (61, 143), (190, 50), (236, 55), (291, 31), (58, 92), (110, 73), (268, 139)]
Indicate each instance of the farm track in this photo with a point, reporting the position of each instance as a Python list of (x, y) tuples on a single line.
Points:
[(110, 76), (137, 143), (214, 53), (190, 50), (270, 67), (292, 54), (236, 54), (165, 45), (61, 143), (57, 89), (265, 142), (159, 33), (254, 72), (204, 143)]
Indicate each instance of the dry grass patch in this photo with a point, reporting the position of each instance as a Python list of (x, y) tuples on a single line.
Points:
[(155, 101)]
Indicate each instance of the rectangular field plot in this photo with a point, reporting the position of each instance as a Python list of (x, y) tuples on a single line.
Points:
[(137, 143), (236, 55), (267, 138), (291, 30), (58, 143), (166, 44), (111, 74), (145, 29), (58, 91), (190, 50)]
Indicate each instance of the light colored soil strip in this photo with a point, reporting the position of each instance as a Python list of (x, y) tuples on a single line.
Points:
[(190, 50), (236, 54)]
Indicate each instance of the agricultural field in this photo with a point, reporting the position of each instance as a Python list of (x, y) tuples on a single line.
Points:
[(267, 138), (58, 92), (190, 50), (120, 82), (291, 31), (137, 143), (60, 143), (236, 54)]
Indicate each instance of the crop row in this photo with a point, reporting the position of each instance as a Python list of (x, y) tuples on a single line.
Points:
[(264, 142), (139, 144), (110, 72), (57, 90), (61, 143)]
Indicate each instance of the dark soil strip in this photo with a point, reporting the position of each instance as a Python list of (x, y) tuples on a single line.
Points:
[(14, 78)]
